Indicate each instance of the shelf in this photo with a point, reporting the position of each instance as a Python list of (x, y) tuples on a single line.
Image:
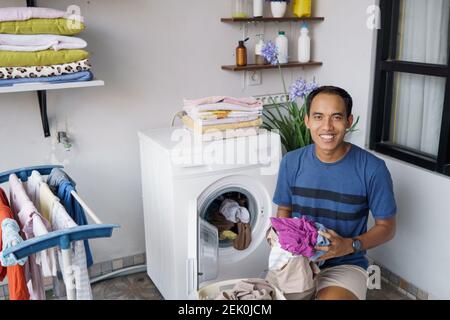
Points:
[(25, 87), (284, 19), (251, 67)]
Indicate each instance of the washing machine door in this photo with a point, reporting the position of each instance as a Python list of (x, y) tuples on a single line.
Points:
[(208, 251), (203, 252)]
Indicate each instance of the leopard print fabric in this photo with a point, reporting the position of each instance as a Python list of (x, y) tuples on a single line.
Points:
[(44, 71)]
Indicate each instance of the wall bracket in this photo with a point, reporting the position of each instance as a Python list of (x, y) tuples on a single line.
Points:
[(42, 95)]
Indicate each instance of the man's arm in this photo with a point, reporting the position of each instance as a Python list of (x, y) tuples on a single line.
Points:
[(284, 212), (382, 232)]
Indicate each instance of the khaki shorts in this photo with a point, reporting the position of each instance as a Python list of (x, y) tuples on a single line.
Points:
[(350, 277)]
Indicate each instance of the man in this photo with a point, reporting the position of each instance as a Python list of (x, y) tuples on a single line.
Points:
[(336, 183)]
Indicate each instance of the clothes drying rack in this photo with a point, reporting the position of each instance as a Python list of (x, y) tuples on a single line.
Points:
[(61, 238)]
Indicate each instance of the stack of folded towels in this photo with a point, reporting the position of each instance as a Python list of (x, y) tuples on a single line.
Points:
[(37, 45), (221, 113)]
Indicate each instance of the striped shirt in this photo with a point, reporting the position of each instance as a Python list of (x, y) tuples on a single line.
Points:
[(338, 195)]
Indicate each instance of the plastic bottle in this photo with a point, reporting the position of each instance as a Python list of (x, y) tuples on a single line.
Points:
[(258, 8), (304, 45), (259, 58), (241, 55), (302, 8), (282, 45)]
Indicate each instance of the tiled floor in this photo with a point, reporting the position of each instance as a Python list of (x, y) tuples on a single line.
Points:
[(140, 287)]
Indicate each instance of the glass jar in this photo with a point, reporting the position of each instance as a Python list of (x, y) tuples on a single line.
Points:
[(240, 9)]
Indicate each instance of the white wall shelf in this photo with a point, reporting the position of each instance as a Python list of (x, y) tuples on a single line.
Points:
[(25, 87)]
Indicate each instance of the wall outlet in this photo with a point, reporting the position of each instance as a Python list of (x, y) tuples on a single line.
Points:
[(254, 78), (269, 99)]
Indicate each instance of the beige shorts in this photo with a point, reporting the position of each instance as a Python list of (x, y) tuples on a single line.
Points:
[(350, 277)]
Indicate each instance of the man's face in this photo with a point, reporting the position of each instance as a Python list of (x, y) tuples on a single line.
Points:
[(328, 121)]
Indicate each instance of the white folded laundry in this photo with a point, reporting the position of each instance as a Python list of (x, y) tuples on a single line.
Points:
[(39, 42), (221, 106)]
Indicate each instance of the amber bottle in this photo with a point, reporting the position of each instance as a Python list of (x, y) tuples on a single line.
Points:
[(241, 55)]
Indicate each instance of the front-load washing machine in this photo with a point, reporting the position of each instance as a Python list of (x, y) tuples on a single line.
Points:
[(184, 180)]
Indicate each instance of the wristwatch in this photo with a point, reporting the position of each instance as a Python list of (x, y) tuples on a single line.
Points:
[(357, 245)]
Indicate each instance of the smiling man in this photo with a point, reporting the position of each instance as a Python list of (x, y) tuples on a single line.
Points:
[(336, 184)]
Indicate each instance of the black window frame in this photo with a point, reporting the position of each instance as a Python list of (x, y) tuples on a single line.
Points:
[(386, 66)]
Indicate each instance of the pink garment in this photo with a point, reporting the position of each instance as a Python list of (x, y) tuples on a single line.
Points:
[(243, 102), (296, 235), (26, 13), (32, 224)]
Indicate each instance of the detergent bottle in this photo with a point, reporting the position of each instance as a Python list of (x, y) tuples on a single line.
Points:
[(304, 45), (302, 8)]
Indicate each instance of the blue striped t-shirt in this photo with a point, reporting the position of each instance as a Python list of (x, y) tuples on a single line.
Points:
[(338, 195)]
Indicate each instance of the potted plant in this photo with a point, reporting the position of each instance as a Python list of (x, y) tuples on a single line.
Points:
[(278, 7), (288, 118)]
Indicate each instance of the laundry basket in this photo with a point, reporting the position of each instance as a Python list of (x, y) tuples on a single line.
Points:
[(211, 291)]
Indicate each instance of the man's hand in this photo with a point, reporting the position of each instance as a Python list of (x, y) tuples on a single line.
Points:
[(338, 247)]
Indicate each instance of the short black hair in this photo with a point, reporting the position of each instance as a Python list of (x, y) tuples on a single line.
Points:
[(331, 90)]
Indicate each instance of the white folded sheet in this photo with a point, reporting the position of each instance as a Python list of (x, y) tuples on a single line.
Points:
[(39, 42)]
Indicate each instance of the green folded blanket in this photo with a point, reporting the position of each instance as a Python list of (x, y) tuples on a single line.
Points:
[(40, 58), (42, 26)]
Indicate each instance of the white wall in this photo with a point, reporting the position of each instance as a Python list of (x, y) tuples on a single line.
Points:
[(152, 54)]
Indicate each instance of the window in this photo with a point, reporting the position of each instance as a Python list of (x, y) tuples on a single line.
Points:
[(411, 104)]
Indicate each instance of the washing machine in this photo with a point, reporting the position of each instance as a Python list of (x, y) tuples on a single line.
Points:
[(183, 181)]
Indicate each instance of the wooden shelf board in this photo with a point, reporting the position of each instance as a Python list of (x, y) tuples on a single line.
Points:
[(269, 19), (292, 64)]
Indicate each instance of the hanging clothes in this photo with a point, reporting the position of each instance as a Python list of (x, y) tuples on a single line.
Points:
[(32, 224), (65, 185), (10, 237), (16, 277), (60, 220), (47, 258)]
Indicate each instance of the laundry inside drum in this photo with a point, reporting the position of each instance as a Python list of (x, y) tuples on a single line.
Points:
[(233, 212)]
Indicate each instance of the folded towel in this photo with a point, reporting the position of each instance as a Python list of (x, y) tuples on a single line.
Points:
[(26, 13), (60, 26), (39, 42), (213, 122), (220, 106), (222, 114), (73, 77), (243, 102), (40, 58), (191, 124), (44, 71)]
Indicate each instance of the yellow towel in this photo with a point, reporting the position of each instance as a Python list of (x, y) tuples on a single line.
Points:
[(40, 58), (221, 127), (227, 234)]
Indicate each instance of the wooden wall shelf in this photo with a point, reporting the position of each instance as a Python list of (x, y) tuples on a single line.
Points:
[(284, 19), (252, 67)]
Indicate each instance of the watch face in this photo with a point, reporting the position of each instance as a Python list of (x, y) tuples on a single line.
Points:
[(357, 245)]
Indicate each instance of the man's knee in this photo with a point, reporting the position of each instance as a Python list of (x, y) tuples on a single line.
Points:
[(335, 293)]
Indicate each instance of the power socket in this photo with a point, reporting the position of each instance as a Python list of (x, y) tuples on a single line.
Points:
[(254, 78), (269, 99)]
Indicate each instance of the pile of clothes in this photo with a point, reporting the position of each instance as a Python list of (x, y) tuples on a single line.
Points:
[(221, 113), (232, 219), (292, 260), (38, 45), (249, 289)]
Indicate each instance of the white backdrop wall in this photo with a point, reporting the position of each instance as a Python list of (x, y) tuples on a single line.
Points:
[(152, 54)]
